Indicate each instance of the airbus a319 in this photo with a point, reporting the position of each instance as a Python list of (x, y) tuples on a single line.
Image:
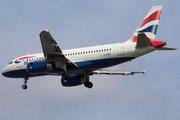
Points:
[(76, 65)]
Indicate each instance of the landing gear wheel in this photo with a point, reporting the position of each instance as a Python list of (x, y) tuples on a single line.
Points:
[(65, 75), (88, 84), (24, 87)]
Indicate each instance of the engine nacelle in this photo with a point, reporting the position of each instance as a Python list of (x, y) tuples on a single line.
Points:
[(74, 80), (39, 67)]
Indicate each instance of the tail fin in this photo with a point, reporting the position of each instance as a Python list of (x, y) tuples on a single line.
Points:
[(149, 25)]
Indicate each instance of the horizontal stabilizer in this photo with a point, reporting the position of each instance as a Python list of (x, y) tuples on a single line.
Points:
[(166, 48), (142, 40)]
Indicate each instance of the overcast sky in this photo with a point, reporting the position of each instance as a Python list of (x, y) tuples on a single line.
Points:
[(82, 23)]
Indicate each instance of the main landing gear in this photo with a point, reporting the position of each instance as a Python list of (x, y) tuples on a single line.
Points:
[(24, 86), (88, 84)]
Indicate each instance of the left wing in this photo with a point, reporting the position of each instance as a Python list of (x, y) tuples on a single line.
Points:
[(108, 72)]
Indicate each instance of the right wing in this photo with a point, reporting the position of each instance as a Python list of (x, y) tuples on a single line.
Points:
[(108, 72), (51, 49)]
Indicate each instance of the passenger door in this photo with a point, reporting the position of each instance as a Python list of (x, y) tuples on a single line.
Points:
[(120, 49)]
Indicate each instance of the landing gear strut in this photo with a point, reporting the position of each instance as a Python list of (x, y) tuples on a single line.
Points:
[(88, 84), (24, 86), (65, 75)]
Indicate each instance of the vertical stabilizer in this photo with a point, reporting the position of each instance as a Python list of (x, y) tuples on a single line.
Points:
[(149, 25)]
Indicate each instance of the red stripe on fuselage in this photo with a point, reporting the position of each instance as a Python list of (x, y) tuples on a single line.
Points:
[(25, 58), (152, 17)]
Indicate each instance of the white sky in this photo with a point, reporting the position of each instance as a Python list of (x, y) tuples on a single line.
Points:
[(84, 23)]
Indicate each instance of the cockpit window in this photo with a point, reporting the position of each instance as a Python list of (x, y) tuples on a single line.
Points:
[(10, 62)]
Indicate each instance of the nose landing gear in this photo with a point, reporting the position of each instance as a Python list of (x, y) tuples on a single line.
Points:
[(24, 86)]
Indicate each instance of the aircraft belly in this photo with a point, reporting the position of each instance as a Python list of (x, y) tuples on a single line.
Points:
[(91, 65)]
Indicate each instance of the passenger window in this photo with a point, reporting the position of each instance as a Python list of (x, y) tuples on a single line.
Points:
[(96, 50), (104, 49)]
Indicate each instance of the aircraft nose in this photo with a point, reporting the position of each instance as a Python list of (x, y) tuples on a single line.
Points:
[(3, 72)]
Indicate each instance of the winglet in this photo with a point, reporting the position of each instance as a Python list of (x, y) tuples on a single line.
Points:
[(144, 72), (47, 30)]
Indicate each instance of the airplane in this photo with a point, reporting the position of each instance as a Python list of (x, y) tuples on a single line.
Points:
[(76, 65)]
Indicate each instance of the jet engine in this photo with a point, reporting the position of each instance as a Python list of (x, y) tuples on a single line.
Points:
[(74, 80), (40, 67)]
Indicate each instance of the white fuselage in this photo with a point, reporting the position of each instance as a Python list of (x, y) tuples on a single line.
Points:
[(101, 56)]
